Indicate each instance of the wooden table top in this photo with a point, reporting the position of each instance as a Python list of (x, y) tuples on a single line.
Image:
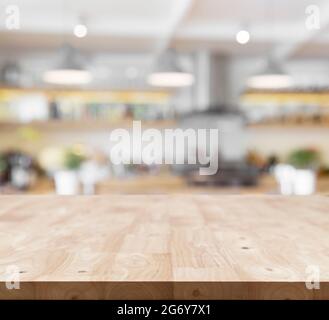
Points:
[(164, 246)]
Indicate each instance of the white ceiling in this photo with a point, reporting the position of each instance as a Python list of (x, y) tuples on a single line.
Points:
[(152, 25), (254, 11)]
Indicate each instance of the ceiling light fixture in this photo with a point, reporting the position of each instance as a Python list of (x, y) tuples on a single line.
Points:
[(273, 77), (242, 36), (80, 30), (70, 71), (67, 77), (168, 74)]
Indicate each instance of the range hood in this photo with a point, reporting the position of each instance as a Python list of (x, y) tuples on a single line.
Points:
[(213, 110), (212, 88)]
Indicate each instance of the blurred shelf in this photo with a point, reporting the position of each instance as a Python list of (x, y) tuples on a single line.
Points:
[(83, 125), (289, 126), (318, 98), (100, 125), (90, 96)]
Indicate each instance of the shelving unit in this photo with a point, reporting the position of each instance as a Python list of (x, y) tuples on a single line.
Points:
[(104, 96), (84, 125), (289, 126), (68, 109), (320, 98)]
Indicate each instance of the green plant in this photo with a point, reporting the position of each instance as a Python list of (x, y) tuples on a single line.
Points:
[(73, 160), (3, 164), (304, 159)]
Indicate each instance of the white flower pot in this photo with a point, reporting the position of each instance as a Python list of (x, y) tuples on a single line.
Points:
[(66, 182), (295, 181), (304, 182), (284, 175)]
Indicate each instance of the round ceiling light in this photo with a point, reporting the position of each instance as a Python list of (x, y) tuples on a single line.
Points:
[(170, 79), (70, 71), (67, 76), (243, 37), (270, 81), (168, 74), (273, 77), (80, 30)]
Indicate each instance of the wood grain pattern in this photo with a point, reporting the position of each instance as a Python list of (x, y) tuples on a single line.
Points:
[(164, 246)]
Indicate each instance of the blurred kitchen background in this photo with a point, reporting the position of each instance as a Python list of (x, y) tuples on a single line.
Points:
[(72, 71)]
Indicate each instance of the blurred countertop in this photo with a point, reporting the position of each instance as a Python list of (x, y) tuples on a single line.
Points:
[(152, 184)]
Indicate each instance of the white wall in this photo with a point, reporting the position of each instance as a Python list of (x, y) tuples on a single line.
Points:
[(281, 141)]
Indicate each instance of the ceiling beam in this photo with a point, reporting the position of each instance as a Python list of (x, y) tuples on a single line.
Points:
[(286, 51), (180, 10)]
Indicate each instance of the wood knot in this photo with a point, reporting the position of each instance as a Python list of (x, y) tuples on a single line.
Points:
[(196, 293)]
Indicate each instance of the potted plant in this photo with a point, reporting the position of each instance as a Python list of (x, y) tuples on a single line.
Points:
[(306, 163), (67, 179), (3, 169)]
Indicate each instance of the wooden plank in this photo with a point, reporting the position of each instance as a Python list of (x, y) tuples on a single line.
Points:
[(164, 246)]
